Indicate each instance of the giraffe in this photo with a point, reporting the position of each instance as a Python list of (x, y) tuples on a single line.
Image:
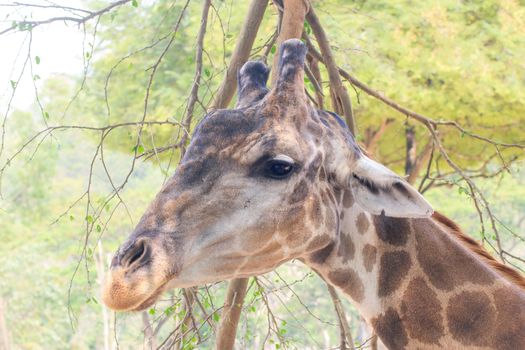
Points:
[(274, 180)]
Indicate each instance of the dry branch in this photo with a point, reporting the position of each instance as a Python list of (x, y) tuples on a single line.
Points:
[(241, 53), (194, 94), (347, 342), (29, 25), (293, 15), (340, 99), (231, 313)]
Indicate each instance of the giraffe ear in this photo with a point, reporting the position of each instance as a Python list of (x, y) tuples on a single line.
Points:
[(379, 190)]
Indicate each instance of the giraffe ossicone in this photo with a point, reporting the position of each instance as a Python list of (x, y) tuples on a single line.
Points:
[(275, 179)]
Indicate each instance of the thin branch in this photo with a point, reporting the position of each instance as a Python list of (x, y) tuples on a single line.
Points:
[(194, 94), (241, 53), (340, 98), (29, 25)]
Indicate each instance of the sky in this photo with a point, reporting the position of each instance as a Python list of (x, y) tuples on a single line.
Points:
[(58, 46)]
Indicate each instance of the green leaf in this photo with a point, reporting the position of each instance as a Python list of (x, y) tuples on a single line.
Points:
[(207, 72), (71, 218), (36, 77), (37, 60), (134, 3), (89, 219), (152, 311), (216, 317), (307, 28), (139, 149), (13, 84), (273, 49), (99, 229), (46, 115)]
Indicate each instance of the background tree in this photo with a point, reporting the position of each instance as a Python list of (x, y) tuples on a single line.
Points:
[(78, 167)]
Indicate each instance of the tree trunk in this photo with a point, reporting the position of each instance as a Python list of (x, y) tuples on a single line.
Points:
[(410, 161), (4, 334), (294, 12), (421, 160), (231, 313)]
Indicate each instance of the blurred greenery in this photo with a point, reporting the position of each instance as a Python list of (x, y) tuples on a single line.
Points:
[(454, 60)]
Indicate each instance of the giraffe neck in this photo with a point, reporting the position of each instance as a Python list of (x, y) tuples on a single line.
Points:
[(418, 286)]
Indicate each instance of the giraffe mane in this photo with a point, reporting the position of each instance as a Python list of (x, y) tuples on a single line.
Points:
[(507, 272)]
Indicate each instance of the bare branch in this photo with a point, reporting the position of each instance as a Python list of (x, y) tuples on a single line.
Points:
[(232, 311), (340, 99), (194, 94), (29, 25), (241, 53)]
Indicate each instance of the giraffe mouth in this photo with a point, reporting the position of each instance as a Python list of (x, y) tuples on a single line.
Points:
[(134, 290), (151, 300)]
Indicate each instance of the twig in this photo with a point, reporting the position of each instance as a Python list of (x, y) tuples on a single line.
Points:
[(340, 98), (29, 25)]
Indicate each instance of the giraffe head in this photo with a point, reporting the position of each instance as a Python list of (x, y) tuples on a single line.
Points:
[(256, 187)]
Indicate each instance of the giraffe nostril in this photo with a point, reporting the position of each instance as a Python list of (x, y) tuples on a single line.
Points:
[(138, 254)]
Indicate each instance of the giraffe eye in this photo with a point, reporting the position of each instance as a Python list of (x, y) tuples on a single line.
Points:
[(279, 168)]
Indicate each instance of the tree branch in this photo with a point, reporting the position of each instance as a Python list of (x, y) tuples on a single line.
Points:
[(293, 12), (29, 25), (241, 53), (340, 99), (231, 313)]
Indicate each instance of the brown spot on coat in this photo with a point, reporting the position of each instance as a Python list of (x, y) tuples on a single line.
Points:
[(322, 173), (446, 263), (299, 193), (510, 324), (338, 194), (321, 255), (369, 256), (346, 247), (316, 212), (349, 282), (390, 330), (313, 168), (362, 223), (421, 312), (393, 269), (392, 230), (348, 199), (470, 317), (314, 128)]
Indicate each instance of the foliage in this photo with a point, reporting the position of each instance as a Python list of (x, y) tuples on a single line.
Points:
[(452, 60)]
